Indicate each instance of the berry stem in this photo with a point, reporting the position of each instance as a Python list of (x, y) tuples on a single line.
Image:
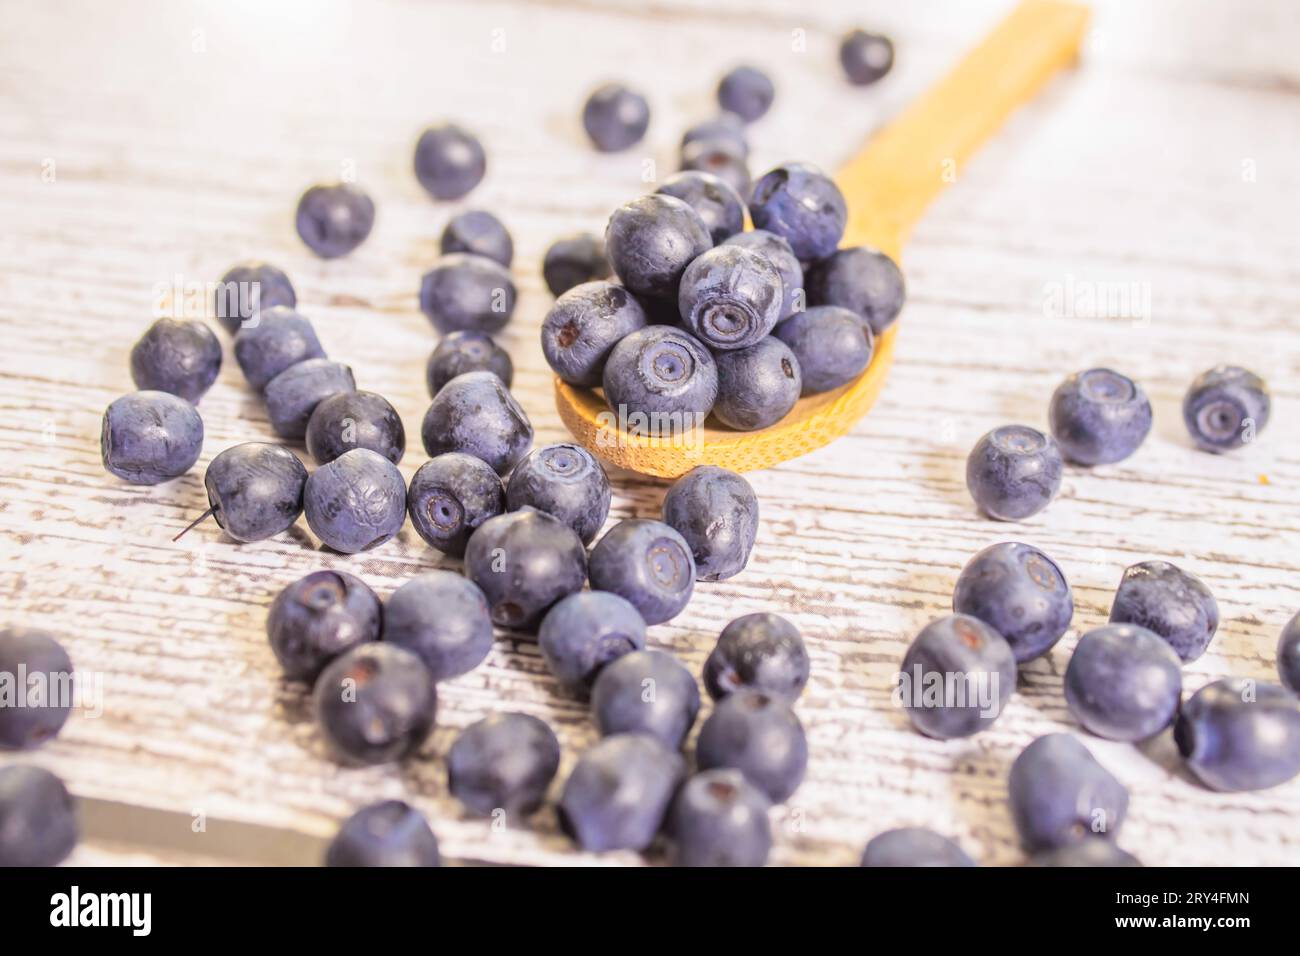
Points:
[(203, 517)]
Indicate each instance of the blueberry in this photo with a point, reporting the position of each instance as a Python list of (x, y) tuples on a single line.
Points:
[(319, 617), (391, 833), (717, 202), (1123, 682), (441, 618), (450, 496), (524, 562), (480, 233), (38, 697), (1099, 417), (719, 818), (348, 420), (584, 325), (255, 490), (573, 260), (760, 651), (758, 385), (293, 395), (747, 92), (716, 513), (504, 762), (449, 161), (150, 437), (957, 677), (585, 631), (660, 380), (178, 357), (615, 117), (1288, 654), (1090, 852), (726, 126), (1019, 592), (476, 414), (866, 57), (863, 280), (566, 482), (722, 158), (651, 240), (730, 297), (1061, 795), (798, 201), (647, 692), (278, 339), (334, 219), (356, 502), (648, 563), (375, 703), (462, 352), (38, 819), (618, 794), (1014, 472), (913, 846), (1166, 599), (1239, 734), (1225, 408), (777, 251), (831, 344), (465, 292), (759, 735), (246, 289)]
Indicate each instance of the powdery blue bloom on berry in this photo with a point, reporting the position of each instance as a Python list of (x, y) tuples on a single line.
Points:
[(1166, 599), (150, 437), (759, 735), (866, 57), (443, 619), (293, 395), (584, 632), (1099, 417), (334, 219), (956, 678), (466, 292), (801, 203), (374, 704), (178, 357), (913, 846), (280, 338), (524, 562), (730, 297), (1238, 734), (615, 117), (716, 513), (449, 161), (481, 233), (1123, 682), (450, 496), (747, 92), (717, 202), (647, 692), (565, 481), (1094, 851), (864, 281), (391, 833), (348, 420), (476, 414), (725, 126), (759, 651), (504, 762), (319, 617), (255, 490), (356, 502), (33, 708), (722, 157), (1014, 472), (38, 819), (573, 260), (649, 564), (832, 345), (1060, 795), (778, 252), (651, 240), (461, 352), (661, 380), (584, 325), (248, 288), (1021, 593), (619, 792), (720, 819), (1225, 408), (758, 385)]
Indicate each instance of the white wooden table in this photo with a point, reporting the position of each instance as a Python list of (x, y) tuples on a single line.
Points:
[(153, 140)]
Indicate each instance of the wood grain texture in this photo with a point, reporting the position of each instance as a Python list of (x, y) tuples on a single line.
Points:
[(1164, 168)]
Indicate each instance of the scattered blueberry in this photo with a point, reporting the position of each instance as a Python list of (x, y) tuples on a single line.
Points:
[(1123, 682), (798, 201), (831, 344), (913, 846), (730, 297), (758, 385), (957, 677), (481, 233), (647, 692), (462, 352), (574, 260), (375, 703), (293, 395), (465, 292), (348, 420), (504, 762), (1225, 408), (476, 414), (723, 158), (1061, 795), (747, 92), (442, 619), (726, 126), (391, 833), (615, 117), (618, 794), (1021, 593), (524, 562), (449, 161), (716, 513), (661, 380), (864, 281), (584, 325), (866, 57), (648, 563), (335, 219), (566, 482), (1288, 654), (1240, 734), (759, 735), (178, 357), (1099, 417), (1014, 472), (450, 496), (717, 202), (585, 631), (246, 289), (319, 617), (38, 819), (150, 437), (719, 818), (1166, 599), (651, 240), (40, 682), (760, 651), (356, 502), (255, 490), (1093, 851), (278, 339), (777, 251)]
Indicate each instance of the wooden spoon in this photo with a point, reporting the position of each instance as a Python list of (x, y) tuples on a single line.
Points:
[(888, 186)]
